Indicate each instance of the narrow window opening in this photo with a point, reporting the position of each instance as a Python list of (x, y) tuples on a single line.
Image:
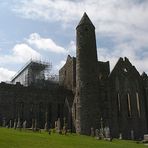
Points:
[(138, 104), (129, 105), (125, 70), (118, 103), (65, 72)]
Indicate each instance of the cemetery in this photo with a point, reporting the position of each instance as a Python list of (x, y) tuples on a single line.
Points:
[(28, 139)]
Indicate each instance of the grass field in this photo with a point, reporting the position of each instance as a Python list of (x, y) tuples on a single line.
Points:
[(10, 138)]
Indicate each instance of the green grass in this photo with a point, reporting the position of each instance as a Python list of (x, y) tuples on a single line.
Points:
[(10, 138)]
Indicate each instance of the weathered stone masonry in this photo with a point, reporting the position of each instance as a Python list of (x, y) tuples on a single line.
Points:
[(88, 95), (119, 97)]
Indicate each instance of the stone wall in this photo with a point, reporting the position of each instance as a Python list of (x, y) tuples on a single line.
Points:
[(27, 103)]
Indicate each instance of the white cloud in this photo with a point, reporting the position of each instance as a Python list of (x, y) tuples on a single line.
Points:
[(20, 53), (45, 44), (115, 18), (31, 48), (124, 22), (109, 12), (72, 48), (47, 10), (23, 52), (5, 74)]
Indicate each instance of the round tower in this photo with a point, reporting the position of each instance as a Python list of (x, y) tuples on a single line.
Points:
[(87, 106)]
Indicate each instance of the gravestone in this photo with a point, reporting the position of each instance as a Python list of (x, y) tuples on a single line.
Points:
[(35, 124), (46, 127), (107, 132), (146, 137), (92, 132), (97, 134), (132, 134), (55, 124), (58, 125), (18, 123), (32, 126), (10, 124), (65, 127), (65, 130), (24, 124), (120, 136), (101, 133), (15, 124), (101, 129)]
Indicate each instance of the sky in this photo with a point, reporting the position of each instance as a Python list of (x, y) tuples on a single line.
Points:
[(45, 30)]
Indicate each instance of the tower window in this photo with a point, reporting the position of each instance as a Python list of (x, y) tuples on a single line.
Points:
[(124, 69), (138, 104), (129, 105), (65, 72)]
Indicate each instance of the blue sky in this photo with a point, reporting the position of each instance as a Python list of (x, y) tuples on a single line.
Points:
[(45, 30)]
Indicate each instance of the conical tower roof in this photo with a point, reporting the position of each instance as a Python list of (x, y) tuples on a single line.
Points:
[(85, 20)]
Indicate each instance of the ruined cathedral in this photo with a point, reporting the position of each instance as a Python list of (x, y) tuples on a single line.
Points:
[(87, 95)]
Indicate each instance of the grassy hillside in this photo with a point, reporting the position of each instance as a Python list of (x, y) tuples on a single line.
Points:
[(10, 138)]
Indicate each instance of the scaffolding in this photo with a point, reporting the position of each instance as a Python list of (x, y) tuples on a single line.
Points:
[(32, 72)]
